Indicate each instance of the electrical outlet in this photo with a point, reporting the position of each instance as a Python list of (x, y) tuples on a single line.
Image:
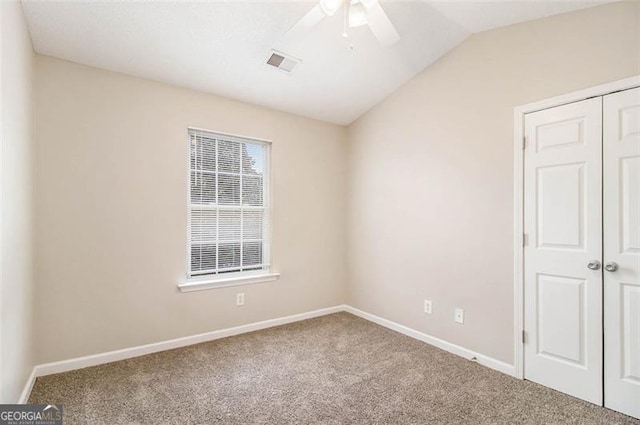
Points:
[(240, 299), (458, 315), (427, 306)]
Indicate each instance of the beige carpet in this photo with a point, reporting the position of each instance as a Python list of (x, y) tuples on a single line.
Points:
[(335, 369)]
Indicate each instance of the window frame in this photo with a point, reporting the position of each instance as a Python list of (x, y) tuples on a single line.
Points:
[(194, 282)]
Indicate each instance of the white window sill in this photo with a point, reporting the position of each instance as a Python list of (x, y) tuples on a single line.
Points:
[(213, 283)]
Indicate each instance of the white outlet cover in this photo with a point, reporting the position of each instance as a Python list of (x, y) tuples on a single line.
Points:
[(427, 306), (240, 299), (458, 315)]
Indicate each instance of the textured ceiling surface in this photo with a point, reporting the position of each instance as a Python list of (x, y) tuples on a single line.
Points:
[(221, 47)]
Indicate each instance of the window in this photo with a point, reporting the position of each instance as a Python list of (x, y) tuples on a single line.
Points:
[(229, 231)]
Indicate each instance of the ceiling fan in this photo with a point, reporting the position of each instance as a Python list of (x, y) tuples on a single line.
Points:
[(356, 13)]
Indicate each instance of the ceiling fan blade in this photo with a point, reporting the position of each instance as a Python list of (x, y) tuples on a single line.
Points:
[(380, 25), (306, 23)]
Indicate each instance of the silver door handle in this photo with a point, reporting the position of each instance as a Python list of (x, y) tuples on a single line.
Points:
[(611, 266), (594, 265)]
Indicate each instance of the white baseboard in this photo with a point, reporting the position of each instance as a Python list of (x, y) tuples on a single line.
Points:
[(127, 353), (437, 342), (26, 392)]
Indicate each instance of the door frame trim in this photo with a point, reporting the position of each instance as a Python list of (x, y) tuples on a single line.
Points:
[(519, 113)]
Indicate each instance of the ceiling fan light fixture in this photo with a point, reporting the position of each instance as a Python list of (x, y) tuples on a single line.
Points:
[(330, 7), (357, 15)]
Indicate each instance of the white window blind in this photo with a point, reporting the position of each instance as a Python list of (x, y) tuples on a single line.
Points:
[(229, 226)]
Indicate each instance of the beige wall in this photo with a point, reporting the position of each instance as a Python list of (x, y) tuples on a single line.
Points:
[(16, 247), (431, 172), (111, 212)]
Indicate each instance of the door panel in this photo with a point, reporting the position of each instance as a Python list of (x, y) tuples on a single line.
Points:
[(630, 307), (563, 224), (629, 188), (560, 206), (561, 323), (621, 153)]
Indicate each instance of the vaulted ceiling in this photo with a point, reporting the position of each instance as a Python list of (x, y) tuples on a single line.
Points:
[(221, 47)]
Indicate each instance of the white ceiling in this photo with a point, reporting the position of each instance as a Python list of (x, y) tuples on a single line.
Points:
[(220, 47)]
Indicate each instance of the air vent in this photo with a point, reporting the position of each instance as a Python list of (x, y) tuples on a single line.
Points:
[(282, 62)]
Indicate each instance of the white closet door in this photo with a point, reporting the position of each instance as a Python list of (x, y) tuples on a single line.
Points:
[(563, 227), (622, 249)]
